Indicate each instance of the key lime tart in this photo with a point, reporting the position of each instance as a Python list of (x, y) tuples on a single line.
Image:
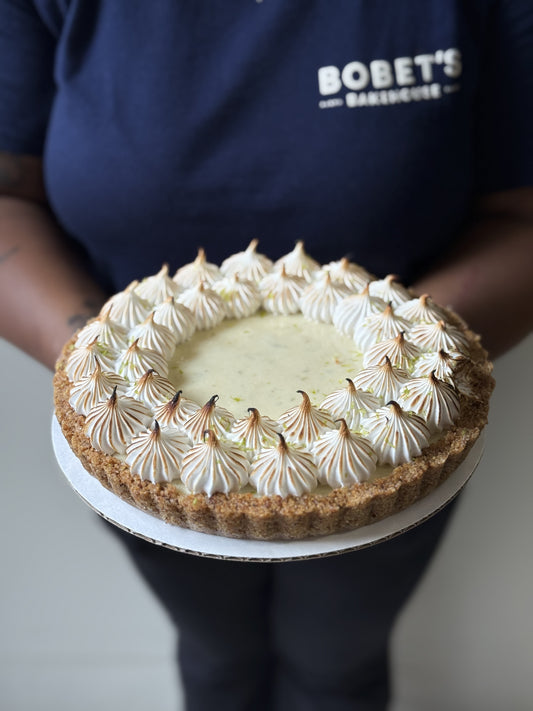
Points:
[(272, 400)]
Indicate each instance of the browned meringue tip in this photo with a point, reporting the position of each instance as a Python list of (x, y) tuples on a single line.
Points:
[(172, 405), (391, 278), (395, 406), (351, 386), (306, 402), (147, 374), (282, 444), (434, 378), (210, 438), (344, 430), (150, 317), (211, 402)]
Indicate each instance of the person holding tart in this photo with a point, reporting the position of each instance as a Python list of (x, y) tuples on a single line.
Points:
[(399, 138)]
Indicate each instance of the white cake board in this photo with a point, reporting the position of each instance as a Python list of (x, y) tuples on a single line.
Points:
[(150, 528)]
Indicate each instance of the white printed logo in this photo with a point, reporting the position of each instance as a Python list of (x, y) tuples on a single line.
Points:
[(383, 82)]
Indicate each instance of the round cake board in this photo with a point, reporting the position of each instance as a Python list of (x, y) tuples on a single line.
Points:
[(154, 530)]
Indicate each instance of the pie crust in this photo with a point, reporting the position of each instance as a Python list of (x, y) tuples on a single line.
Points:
[(248, 515)]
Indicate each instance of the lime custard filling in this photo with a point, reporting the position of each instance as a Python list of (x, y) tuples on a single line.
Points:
[(262, 361)]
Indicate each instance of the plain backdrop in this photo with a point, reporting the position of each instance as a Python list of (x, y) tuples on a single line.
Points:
[(79, 631)]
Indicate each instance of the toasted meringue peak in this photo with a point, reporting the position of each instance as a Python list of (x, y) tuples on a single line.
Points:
[(155, 455), (433, 399), (158, 287), (133, 363), (82, 361), (352, 311), (320, 298), (298, 263), (350, 404), (421, 310), (176, 411), (283, 471), (178, 318), (379, 327), (154, 336), (440, 362), (93, 388), (210, 417), (108, 332), (206, 305), (396, 435), (281, 292), (343, 458), (240, 296), (348, 273), (110, 425), (213, 466), (390, 290), (127, 307), (248, 264), (400, 352), (304, 423), (254, 432), (382, 380), (439, 336), (152, 388), (199, 271)]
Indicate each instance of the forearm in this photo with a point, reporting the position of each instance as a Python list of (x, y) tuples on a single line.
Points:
[(489, 278), (45, 293)]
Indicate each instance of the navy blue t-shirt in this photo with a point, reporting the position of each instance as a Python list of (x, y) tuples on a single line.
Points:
[(364, 127)]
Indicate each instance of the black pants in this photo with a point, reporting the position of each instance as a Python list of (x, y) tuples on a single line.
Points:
[(301, 636)]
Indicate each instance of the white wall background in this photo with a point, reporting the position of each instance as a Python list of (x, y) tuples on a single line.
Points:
[(79, 631)]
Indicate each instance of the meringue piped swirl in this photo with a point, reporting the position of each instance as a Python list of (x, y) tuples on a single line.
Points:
[(248, 264), (304, 423), (93, 388), (298, 263), (343, 458), (350, 404), (110, 425), (156, 455), (436, 401), (254, 432), (214, 466), (283, 471), (396, 435), (207, 306)]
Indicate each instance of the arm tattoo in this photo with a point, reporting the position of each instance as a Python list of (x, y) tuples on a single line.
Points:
[(7, 255), (90, 308)]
